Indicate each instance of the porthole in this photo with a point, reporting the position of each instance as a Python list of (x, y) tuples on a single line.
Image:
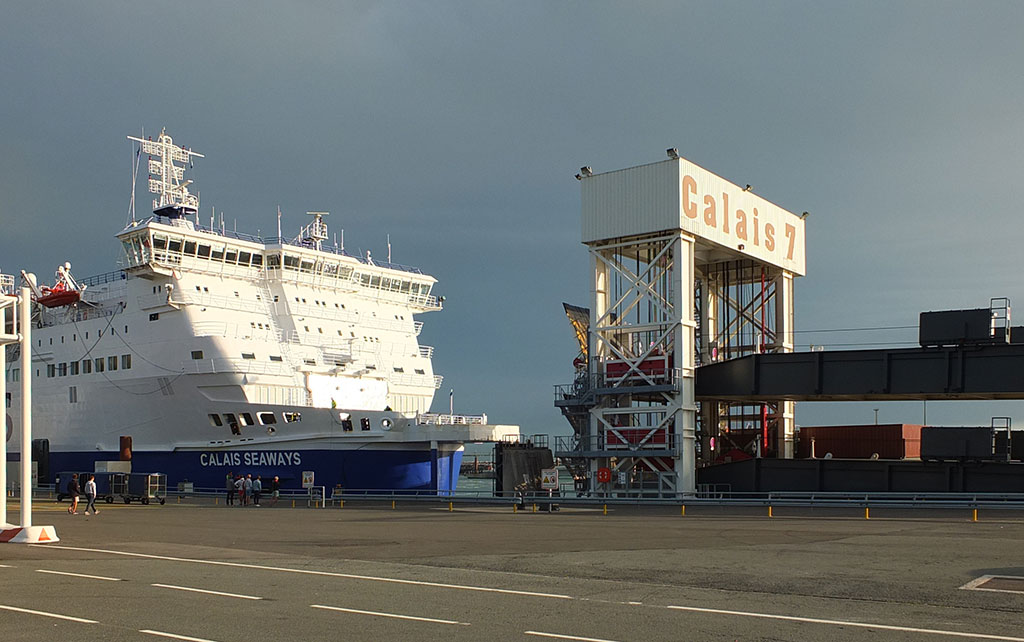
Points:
[(385, 423)]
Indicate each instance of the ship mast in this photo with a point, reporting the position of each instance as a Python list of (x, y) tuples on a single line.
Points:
[(167, 179)]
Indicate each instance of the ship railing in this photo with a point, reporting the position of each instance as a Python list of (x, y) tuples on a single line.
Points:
[(407, 379), (438, 380), (100, 279), (225, 365), (437, 419)]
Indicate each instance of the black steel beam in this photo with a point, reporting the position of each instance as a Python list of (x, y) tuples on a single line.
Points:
[(966, 372)]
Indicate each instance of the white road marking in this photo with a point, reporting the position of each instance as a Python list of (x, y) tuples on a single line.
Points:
[(565, 637), (5, 566), (173, 636), (302, 571), (975, 584), (392, 615), (45, 614), (198, 590), (864, 625), (91, 577)]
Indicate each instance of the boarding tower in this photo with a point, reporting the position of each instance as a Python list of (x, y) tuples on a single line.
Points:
[(687, 268)]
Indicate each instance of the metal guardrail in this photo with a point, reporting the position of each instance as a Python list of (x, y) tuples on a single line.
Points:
[(335, 497)]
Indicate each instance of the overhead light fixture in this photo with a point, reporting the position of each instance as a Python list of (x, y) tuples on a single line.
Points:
[(673, 153), (586, 171), (579, 177), (804, 215), (748, 187)]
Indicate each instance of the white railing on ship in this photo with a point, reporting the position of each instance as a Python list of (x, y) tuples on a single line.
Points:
[(436, 419), (222, 365), (438, 379), (423, 380)]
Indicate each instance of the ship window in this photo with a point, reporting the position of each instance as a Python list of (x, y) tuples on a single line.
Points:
[(420, 371), (217, 253), (73, 368), (257, 260), (364, 423), (99, 364), (160, 241), (244, 258), (126, 361), (51, 341), (197, 354), (266, 418), (111, 363), (246, 419), (231, 255), (375, 281), (51, 370), (154, 316), (204, 251), (215, 419), (248, 355), (306, 266), (276, 357), (397, 369), (73, 394), (174, 245), (126, 329), (291, 262), (405, 287), (86, 366), (321, 330), (62, 338), (190, 248), (309, 362), (232, 423), (292, 417), (62, 369), (346, 425)]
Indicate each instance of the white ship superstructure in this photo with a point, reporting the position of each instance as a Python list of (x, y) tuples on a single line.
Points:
[(216, 351)]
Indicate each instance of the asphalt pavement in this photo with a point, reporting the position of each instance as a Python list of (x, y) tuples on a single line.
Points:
[(194, 571)]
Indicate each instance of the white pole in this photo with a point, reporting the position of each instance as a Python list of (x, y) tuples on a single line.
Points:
[(3, 425), (26, 407)]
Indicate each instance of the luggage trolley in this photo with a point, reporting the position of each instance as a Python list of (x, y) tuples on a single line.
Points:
[(141, 487)]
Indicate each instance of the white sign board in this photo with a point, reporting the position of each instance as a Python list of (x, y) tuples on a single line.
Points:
[(549, 479), (307, 479), (680, 195)]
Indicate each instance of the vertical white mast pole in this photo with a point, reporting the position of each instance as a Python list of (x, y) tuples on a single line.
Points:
[(3, 426), (26, 407)]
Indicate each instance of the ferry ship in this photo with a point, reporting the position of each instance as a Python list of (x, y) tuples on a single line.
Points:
[(212, 352)]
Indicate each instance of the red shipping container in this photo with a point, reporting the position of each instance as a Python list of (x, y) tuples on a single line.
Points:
[(887, 441)]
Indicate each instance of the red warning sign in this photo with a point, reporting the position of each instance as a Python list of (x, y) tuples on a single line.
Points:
[(604, 475)]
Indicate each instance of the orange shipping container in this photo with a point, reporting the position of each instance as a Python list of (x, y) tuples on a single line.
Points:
[(887, 441)]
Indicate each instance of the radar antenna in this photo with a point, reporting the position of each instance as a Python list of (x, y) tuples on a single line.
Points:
[(316, 232), (167, 179)]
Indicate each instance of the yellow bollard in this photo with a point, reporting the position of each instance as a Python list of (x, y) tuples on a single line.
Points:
[(293, 503), (216, 501), (867, 513), (535, 508), (770, 511), (392, 504), (682, 510), (341, 503), (515, 508), (606, 509), (451, 506), (975, 518), (179, 499)]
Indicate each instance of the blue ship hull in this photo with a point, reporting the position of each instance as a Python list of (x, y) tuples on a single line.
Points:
[(421, 471)]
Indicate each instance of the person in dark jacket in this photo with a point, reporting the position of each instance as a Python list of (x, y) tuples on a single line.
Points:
[(73, 492)]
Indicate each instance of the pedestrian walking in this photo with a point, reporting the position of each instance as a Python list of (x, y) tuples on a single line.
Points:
[(248, 488), (275, 490), (240, 489), (90, 495), (257, 490), (73, 492), (230, 481)]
